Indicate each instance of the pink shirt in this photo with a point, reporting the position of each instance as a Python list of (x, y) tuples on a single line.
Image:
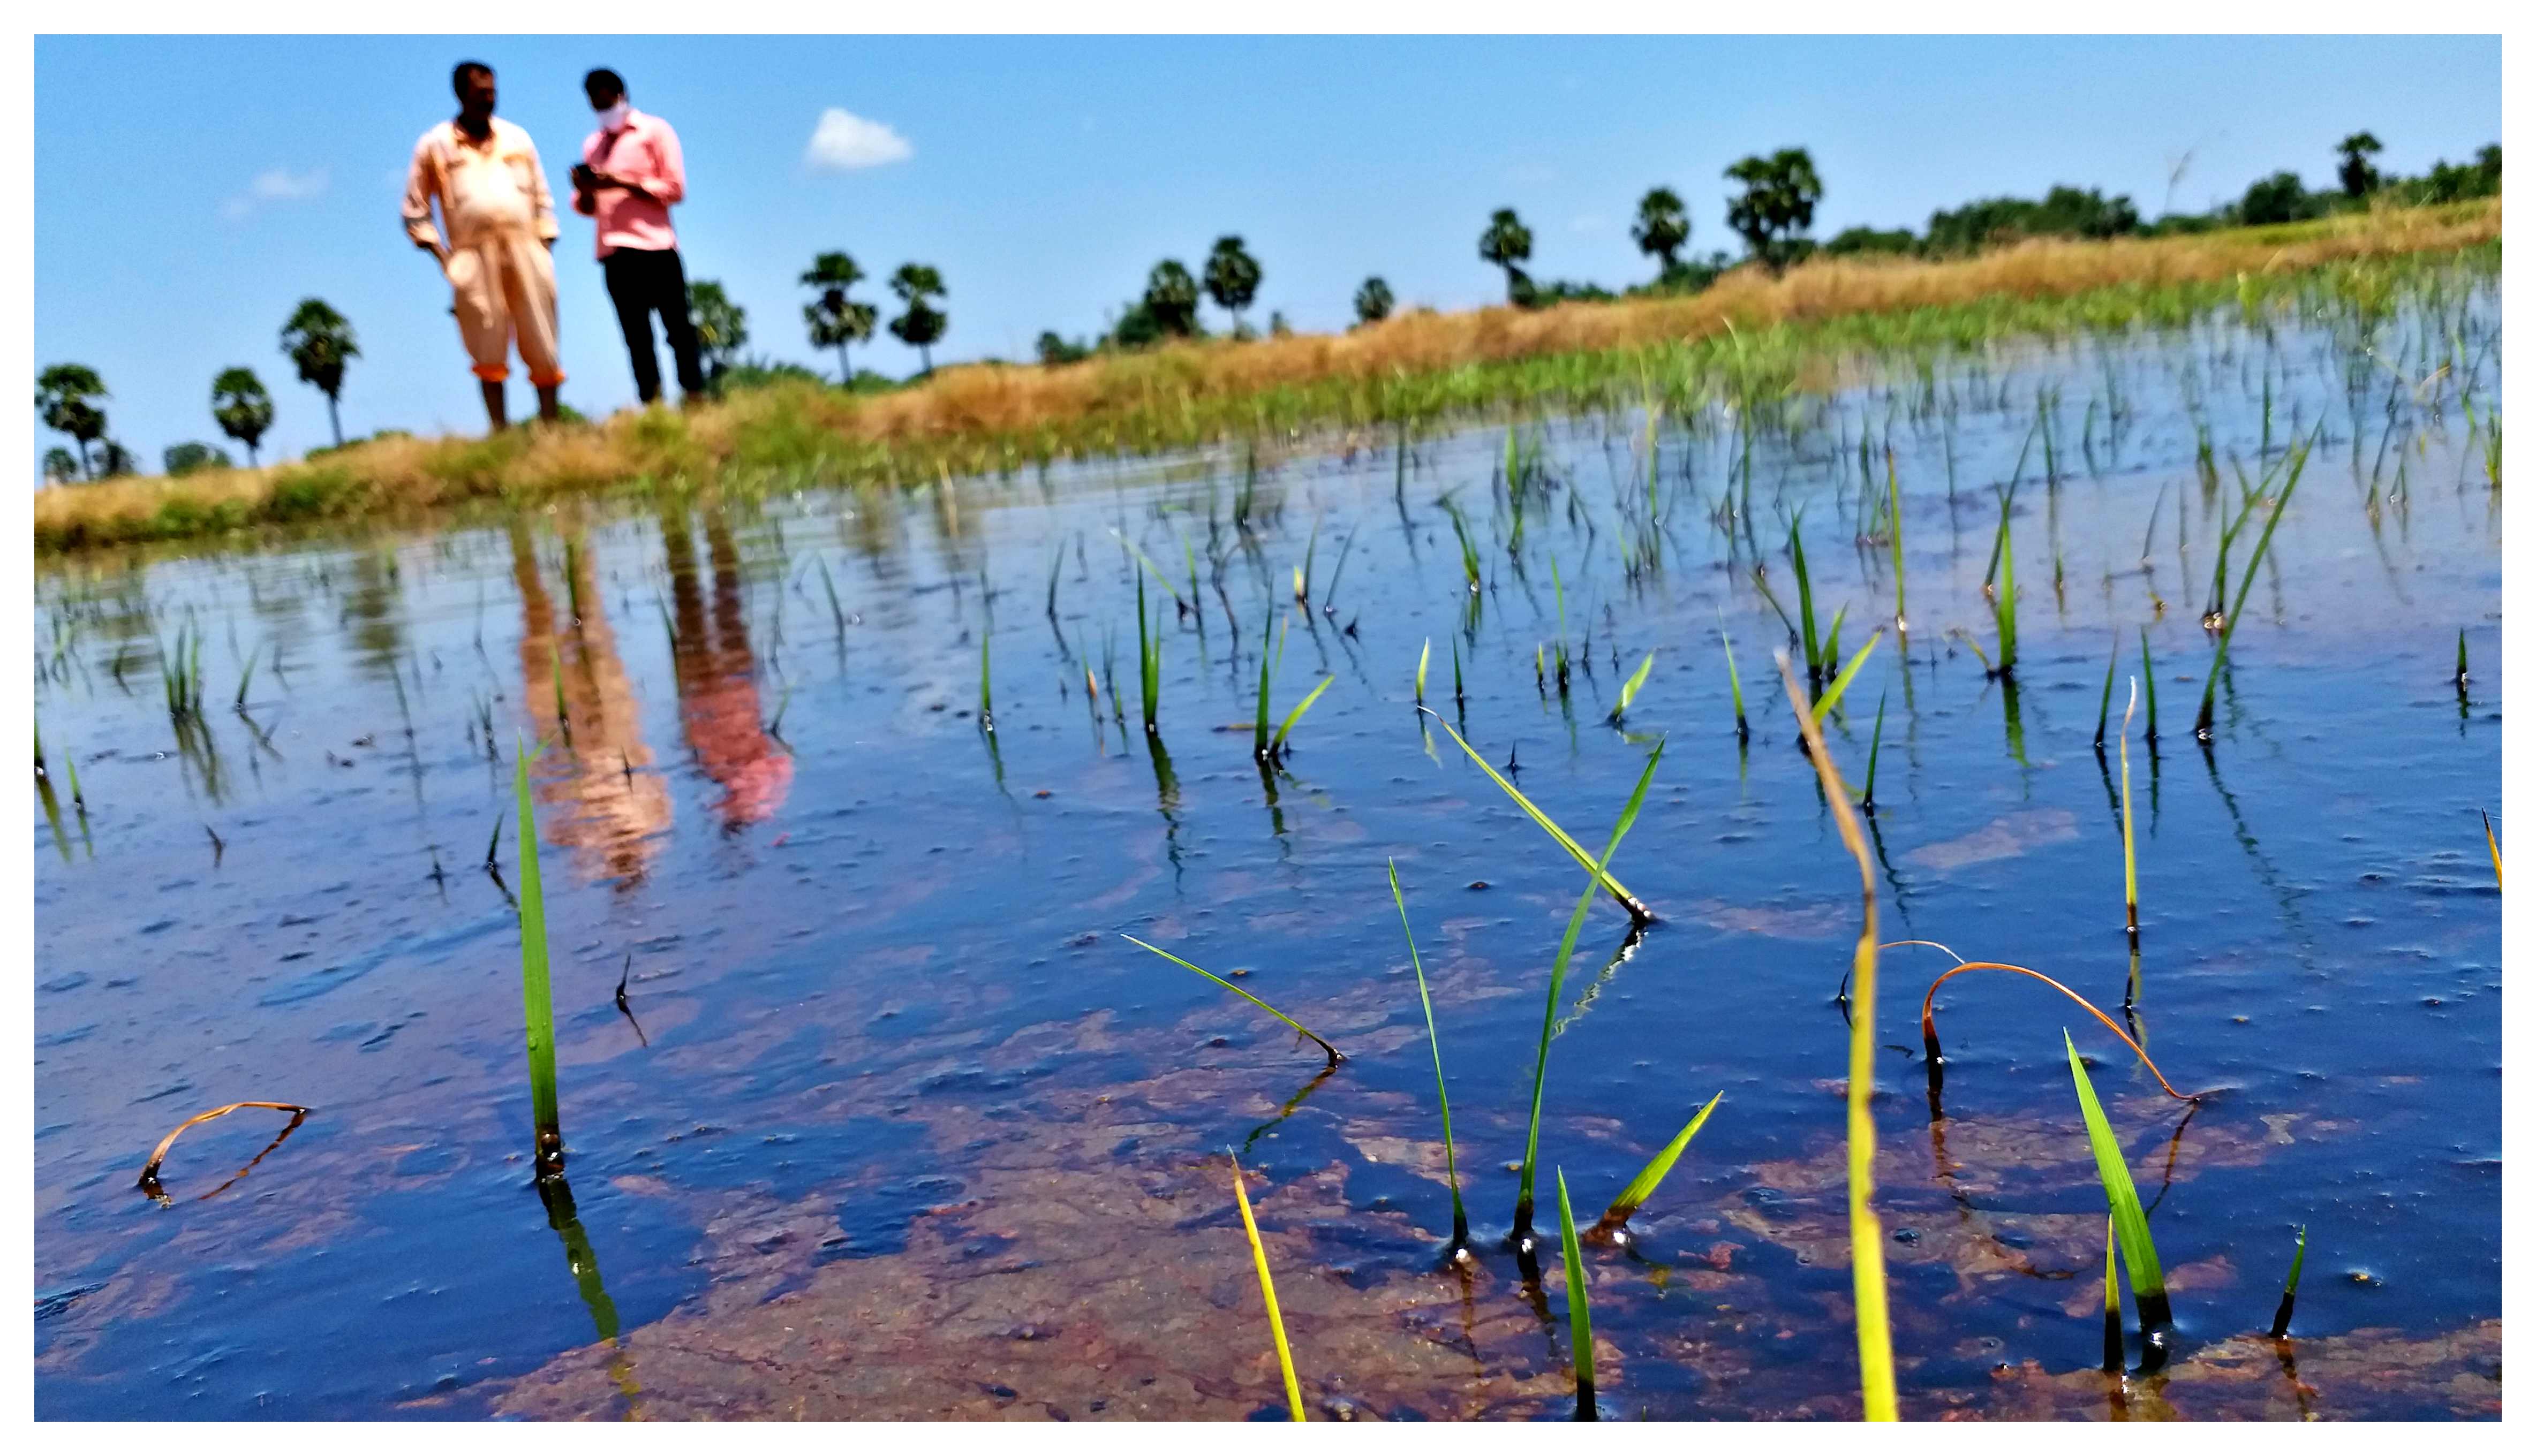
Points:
[(644, 150)]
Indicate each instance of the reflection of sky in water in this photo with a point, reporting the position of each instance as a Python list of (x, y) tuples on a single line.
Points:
[(874, 958)]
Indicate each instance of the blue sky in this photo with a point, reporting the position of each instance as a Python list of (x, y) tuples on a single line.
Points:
[(189, 191)]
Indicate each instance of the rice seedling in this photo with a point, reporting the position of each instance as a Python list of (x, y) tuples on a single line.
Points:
[(248, 677), (986, 685), (1470, 553), (1865, 1229), (1636, 908), (1149, 659), (1188, 554), (2460, 673), (1522, 1234), (2495, 846), (180, 674), (1306, 1031), (1423, 648), (1629, 689), (2003, 607), (535, 995), (1268, 1294), (1806, 599), (2130, 1224), (39, 746), (1840, 681), (1734, 683), (2131, 859), (2114, 1359), (1612, 1225), (836, 609), (2201, 725), (1259, 718), (1580, 1314), (1874, 750), (2148, 675), (1457, 676), (1277, 745), (1893, 535), (1147, 564), (2104, 700), (53, 819), (2289, 1290), (1329, 594), (1304, 573), (1443, 1103)]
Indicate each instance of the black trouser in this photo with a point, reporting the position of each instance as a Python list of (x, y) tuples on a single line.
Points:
[(640, 281)]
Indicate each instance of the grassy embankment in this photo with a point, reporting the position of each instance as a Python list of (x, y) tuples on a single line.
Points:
[(1750, 331)]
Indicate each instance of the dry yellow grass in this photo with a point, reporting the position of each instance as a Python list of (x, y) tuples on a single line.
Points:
[(973, 416)]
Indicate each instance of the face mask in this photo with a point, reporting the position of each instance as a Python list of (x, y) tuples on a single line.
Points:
[(614, 117)]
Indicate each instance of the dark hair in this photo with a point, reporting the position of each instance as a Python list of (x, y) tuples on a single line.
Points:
[(604, 80), (458, 75)]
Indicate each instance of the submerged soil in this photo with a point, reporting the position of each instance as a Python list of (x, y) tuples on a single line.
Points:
[(873, 1114)]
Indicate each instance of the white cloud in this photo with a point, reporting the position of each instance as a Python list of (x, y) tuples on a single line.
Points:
[(845, 142), (279, 184), (282, 186)]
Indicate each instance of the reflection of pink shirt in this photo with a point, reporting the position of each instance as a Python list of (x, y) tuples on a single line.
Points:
[(643, 151)]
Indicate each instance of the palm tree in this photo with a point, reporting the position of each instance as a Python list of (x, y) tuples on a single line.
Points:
[(1170, 297), (1374, 301), (1505, 244), (836, 320), (2358, 178), (241, 407), (320, 342), (922, 325), (60, 465), (66, 396), (721, 326), (1231, 278), (1777, 206), (1663, 226)]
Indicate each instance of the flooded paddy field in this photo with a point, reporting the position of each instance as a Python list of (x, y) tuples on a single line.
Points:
[(873, 1112)]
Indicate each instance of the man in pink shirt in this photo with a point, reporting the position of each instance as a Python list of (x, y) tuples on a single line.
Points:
[(630, 174)]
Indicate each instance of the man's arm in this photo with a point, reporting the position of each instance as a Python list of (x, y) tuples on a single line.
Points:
[(539, 197), (585, 200), (669, 187), (418, 190)]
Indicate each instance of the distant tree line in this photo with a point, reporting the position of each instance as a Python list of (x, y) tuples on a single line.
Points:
[(2282, 197), (1771, 212)]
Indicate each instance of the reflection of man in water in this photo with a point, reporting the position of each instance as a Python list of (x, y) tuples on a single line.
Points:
[(717, 676), (616, 809), (500, 229)]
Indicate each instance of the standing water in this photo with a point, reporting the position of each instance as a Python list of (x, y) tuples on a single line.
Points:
[(873, 1112)]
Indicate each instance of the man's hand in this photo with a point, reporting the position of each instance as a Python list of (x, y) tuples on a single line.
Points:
[(439, 252)]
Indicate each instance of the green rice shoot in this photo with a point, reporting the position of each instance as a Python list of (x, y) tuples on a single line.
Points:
[(1306, 1032), (1443, 1103)]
